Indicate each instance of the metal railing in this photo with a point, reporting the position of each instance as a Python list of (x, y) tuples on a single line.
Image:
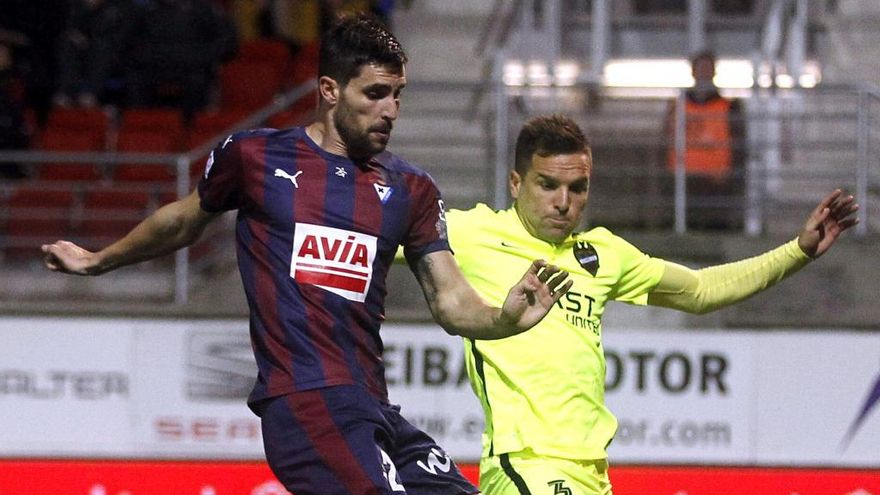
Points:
[(796, 145), (180, 163)]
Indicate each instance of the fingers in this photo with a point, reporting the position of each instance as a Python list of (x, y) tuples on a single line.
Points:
[(62, 256), (49, 257), (562, 290), (553, 277), (836, 207)]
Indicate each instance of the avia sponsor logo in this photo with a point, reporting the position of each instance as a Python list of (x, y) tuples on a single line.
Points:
[(220, 365), (59, 384), (336, 260), (872, 399)]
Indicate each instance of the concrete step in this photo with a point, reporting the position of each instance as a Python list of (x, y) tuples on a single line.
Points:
[(439, 38)]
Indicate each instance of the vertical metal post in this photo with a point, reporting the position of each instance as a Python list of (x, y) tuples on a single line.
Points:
[(181, 257), (755, 133), (599, 41), (796, 50), (527, 38), (501, 130), (696, 25), (861, 192), (680, 179), (553, 32)]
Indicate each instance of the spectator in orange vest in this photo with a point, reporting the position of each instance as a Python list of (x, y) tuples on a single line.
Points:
[(713, 150)]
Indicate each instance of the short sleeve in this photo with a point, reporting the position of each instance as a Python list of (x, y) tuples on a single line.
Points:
[(427, 231), (221, 185), (639, 273)]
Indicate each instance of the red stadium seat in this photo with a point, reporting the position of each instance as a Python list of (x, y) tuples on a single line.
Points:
[(217, 121), (36, 215), (109, 213), (305, 64), (152, 119), (274, 53), (264, 50), (248, 85), (296, 115), (94, 120), (63, 139), (136, 141)]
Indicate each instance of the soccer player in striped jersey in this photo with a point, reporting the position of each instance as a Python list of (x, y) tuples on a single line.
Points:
[(543, 391), (322, 210)]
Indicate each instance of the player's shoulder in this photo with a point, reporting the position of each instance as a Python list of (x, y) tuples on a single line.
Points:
[(480, 213), (261, 134), (400, 165), (601, 237), (609, 244), (595, 234)]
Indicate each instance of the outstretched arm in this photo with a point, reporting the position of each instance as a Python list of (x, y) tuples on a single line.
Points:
[(169, 228), (711, 288), (457, 307)]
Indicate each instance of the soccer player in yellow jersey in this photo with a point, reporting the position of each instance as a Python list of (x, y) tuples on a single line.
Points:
[(543, 391)]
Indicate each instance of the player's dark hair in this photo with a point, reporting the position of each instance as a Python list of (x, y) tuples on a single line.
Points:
[(354, 41), (549, 135)]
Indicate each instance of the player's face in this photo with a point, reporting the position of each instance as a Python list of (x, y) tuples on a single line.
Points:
[(551, 197), (367, 108)]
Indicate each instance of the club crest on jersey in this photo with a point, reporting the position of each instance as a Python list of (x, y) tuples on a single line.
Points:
[(336, 260), (586, 255), (384, 192)]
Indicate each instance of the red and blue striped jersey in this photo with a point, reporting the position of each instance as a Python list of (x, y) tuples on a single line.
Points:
[(316, 234)]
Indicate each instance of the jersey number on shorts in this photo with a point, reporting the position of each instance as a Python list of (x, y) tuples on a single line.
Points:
[(391, 473), (559, 487)]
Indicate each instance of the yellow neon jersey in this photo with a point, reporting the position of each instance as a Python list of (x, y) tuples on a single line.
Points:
[(543, 390)]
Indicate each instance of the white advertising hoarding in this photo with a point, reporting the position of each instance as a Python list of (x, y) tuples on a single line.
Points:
[(818, 397), (177, 389), (192, 383), (426, 375), (65, 385), (680, 397)]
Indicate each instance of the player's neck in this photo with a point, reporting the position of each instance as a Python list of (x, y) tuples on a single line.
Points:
[(326, 138)]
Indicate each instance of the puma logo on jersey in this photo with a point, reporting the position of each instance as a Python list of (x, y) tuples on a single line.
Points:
[(336, 260), (434, 462), (285, 175)]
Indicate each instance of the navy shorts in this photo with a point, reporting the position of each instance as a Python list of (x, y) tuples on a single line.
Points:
[(341, 440)]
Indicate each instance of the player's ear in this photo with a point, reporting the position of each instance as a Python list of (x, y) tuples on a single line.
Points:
[(514, 181), (328, 89)]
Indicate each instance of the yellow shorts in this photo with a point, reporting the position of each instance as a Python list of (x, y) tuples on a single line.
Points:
[(520, 473)]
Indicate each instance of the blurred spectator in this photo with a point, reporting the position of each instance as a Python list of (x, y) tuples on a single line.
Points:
[(713, 154), (88, 49), (13, 129), (298, 22), (252, 18), (174, 51), (39, 23)]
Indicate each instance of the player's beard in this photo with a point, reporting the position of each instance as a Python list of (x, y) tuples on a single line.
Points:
[(358, 143)]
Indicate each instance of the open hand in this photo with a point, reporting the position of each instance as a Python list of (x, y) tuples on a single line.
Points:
[(826, 222), (534, 295)]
